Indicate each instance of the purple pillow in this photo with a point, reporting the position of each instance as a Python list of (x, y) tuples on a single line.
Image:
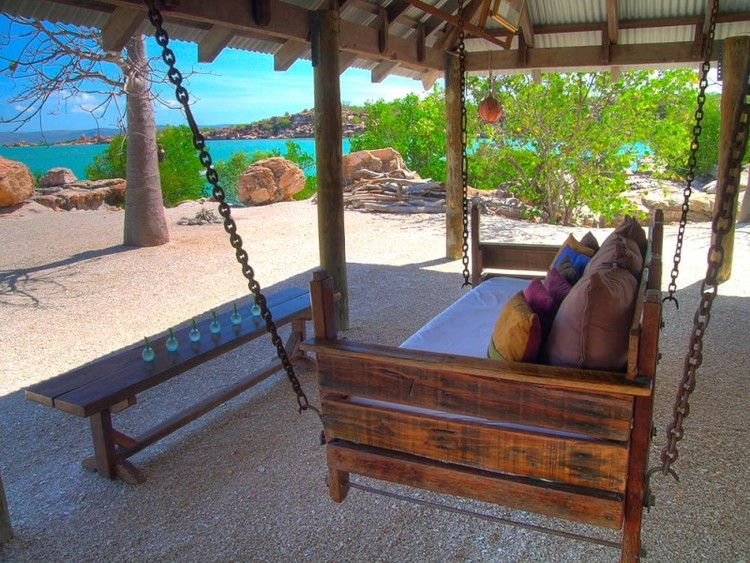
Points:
[(541, 303), (557, 286)]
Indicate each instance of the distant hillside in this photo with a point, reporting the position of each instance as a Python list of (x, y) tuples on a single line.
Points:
[(53, 137), (290, 126)]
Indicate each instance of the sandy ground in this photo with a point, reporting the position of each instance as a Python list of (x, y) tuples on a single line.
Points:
[(246, 482)]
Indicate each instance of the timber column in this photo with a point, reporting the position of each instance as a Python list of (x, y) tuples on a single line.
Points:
[(453, 155), (324, 36), (735, 64), (6, 531)]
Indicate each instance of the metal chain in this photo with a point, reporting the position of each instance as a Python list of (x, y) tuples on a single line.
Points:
[(199, 142), (722, 224), (692, 160), (464, 142)]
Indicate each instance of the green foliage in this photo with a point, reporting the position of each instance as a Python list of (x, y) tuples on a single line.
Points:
[(229, 171), (179, 170), (566, 143), (707, 156), (111, 163), (414, 127)]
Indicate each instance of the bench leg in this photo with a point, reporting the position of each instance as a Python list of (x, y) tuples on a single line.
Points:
[(299, 333), (104, 445)]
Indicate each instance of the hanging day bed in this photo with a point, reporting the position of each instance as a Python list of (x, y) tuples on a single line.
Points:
[(437, 414)]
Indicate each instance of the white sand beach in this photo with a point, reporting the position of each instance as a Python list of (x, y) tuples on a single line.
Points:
[(246, 482)]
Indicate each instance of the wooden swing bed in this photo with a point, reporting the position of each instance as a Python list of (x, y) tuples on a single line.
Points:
[(564, 442)]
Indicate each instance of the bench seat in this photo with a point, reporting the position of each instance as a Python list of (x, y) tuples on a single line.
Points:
[(107, 385)]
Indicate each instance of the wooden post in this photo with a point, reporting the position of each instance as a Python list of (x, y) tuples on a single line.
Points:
[(453, 184), (736, 53), (324, 27), (6, 531)]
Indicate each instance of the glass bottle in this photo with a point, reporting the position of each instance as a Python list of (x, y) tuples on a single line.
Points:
[(194, 334), (171, 342)]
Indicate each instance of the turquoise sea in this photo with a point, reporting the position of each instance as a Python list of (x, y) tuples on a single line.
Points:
[(78, 157)]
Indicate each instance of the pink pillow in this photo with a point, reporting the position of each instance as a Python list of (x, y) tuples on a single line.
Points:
[(541, 303), (557, 286)]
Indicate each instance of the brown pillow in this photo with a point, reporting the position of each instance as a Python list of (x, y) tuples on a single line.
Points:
[(590, 241), (631, 229), (616, 249), (592, 326)]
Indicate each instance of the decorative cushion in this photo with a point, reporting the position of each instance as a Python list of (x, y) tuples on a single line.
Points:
[(541, 302), (577, 260), (592, 325), (557, 286), (631, 229), (572, 244), (589, 240), (617, 249), (517, 335)]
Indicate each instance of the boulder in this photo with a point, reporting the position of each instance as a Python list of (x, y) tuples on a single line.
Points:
[(57, 177), (16, 183), (381, 161), (85, 195), (269, 181)]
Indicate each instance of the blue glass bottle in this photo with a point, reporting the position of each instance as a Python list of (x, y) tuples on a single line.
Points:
[(235, 318), (194, 334), (214, 327), (148, 353), (171, 342)]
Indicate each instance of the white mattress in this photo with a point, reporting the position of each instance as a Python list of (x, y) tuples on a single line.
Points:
[(465, 327)]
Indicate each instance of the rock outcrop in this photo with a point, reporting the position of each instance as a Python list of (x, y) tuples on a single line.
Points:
[(380, 161), (84, 195), (16, 183), (269, 181), (57, 177)]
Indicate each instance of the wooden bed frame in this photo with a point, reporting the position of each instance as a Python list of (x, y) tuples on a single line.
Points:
[(562, 442)]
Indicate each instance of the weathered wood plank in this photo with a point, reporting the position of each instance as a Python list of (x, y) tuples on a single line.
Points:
[(6, 530), (390, 357), (577, 504), (129, 358), (479, 444), (507, 256), (594, 415)]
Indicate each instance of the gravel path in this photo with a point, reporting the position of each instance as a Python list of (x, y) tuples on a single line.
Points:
[(246, 482)]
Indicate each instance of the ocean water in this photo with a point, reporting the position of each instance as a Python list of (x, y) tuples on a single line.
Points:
[(78, 157)]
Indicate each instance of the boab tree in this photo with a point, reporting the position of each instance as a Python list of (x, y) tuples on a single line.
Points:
[(60, 65)]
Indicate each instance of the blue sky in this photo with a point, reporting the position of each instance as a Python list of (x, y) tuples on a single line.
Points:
[(238, 87)]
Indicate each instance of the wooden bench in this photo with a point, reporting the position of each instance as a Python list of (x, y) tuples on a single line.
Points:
[(109, 384)]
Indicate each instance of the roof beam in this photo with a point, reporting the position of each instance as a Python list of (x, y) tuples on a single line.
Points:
[(288, 21), (576, 58), (612, 21), (288, 54), (382, 70), (120, 27), (346, 60), (527, 28), (213, 43)]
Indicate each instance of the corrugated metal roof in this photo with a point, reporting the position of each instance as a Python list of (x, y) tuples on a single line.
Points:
[(95, 13)]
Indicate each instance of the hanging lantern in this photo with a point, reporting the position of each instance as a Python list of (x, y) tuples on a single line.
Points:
[(490, 110)]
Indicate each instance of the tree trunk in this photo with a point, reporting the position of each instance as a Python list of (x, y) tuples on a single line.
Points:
[(145, 221)]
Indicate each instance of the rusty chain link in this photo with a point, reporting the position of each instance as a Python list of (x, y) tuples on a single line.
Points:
[(722, 224), (199, 142), (692, 160), (464, 142)]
